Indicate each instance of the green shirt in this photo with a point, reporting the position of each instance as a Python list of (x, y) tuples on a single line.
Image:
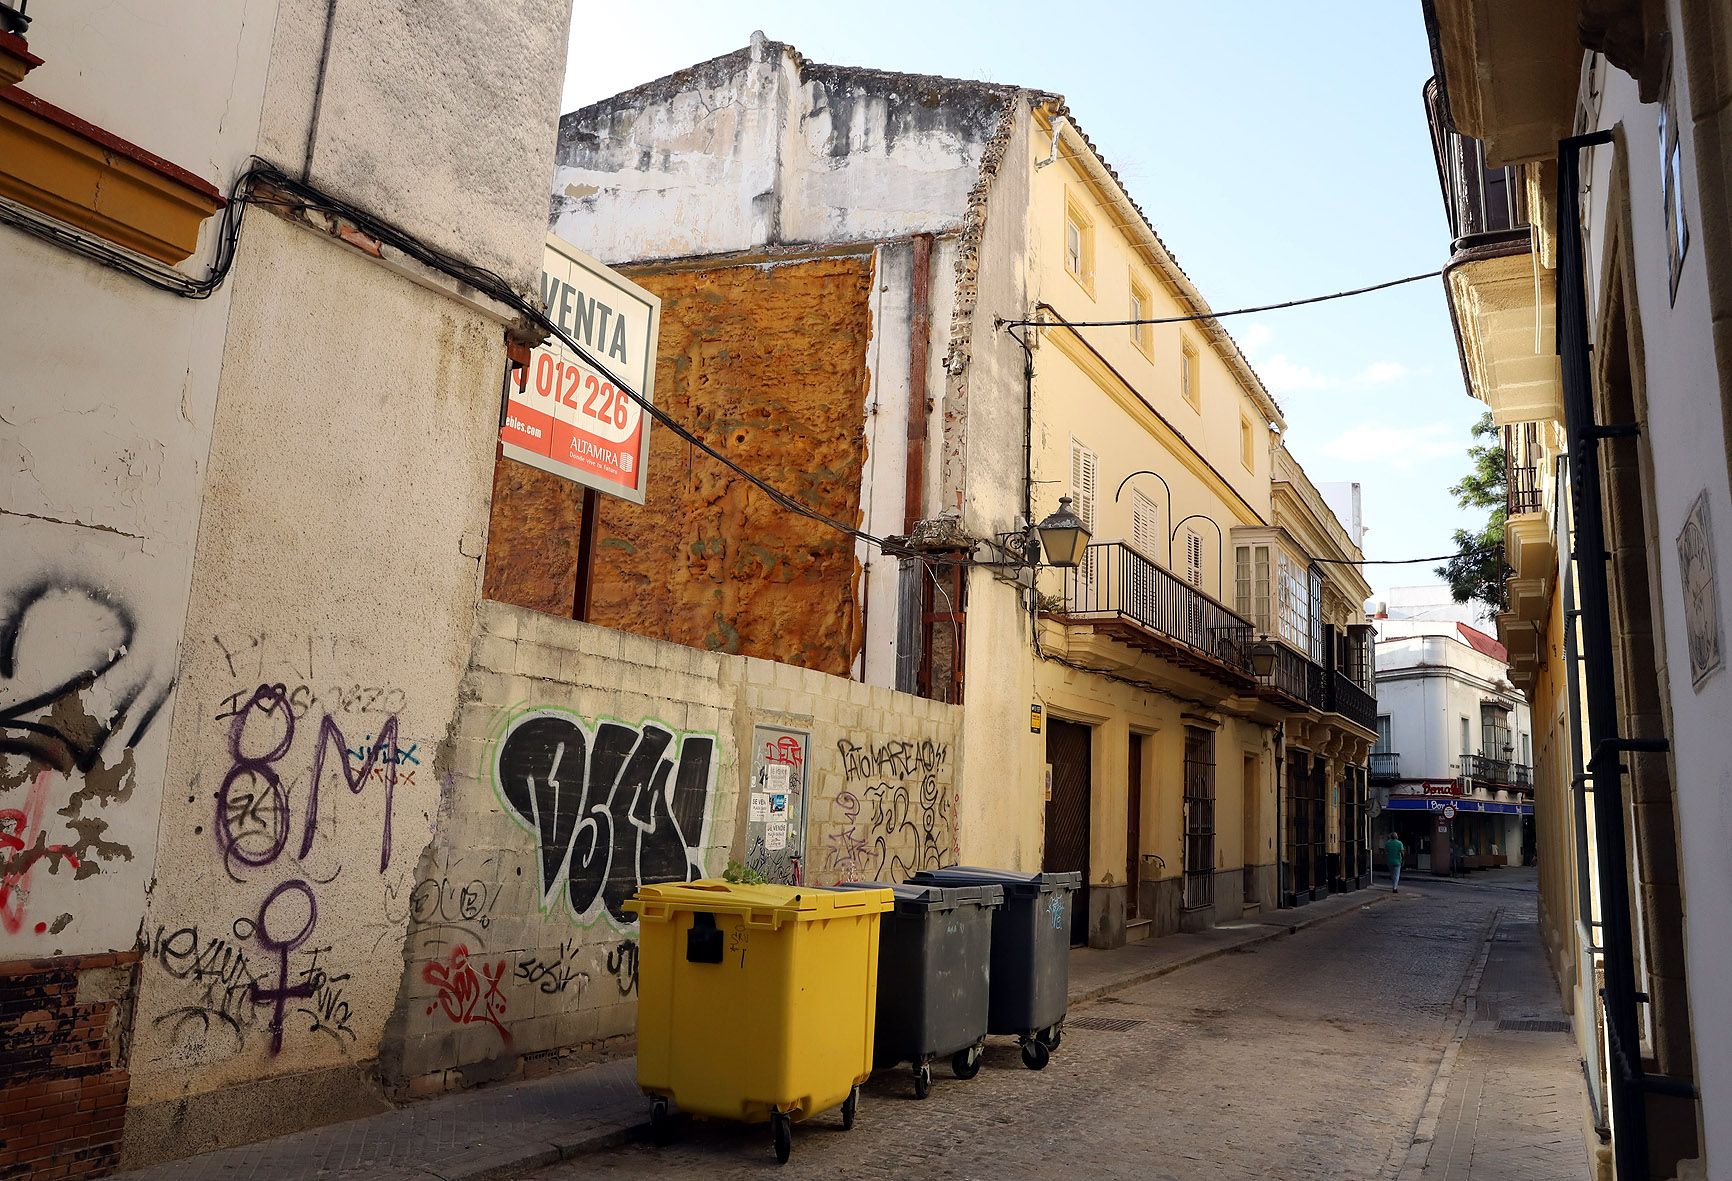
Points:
[(1394, 850)]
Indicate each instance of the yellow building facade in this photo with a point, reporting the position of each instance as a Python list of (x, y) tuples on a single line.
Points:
[(1167, 756)]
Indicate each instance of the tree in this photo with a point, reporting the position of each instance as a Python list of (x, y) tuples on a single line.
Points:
[(1477, 571)]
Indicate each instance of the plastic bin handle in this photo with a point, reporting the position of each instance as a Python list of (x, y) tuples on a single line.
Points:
[(761, 918), (651, 910)]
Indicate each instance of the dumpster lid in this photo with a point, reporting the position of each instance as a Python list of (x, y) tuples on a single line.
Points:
[(776, 903), (1012, 881), (914, 896)]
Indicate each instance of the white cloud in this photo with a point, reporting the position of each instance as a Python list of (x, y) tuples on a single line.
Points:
[(1255, 335), (1399, 447), (1379, 372), (1283, 376)]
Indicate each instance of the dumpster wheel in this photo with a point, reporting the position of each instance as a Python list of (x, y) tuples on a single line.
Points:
[(923, 1080), (1051, 1036), (661, 1123), (851, 1107), (965, 1064), (782, 1129), (1035, 1054)]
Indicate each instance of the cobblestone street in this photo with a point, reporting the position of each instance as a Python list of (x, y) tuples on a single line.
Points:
[(1311, 1056)]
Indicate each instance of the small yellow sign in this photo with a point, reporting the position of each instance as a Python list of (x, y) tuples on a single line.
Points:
[(1034, 714)]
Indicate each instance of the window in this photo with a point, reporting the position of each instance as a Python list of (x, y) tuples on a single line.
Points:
[(1383, 746), (1188, 375), (1247, 444), (1293, 604), (1145, 530), (1251, 585), (1142, 335), (1199, 816), (1466, 739), (1079, 245), (1672, 185)]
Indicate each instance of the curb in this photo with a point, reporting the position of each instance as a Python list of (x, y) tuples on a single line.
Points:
[(516, 1166), (1275, 931), (1431, 1111)]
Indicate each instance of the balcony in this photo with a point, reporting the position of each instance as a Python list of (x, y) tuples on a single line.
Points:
[(1294, 679), (1351, 701), (1385, 765), (1118, 590), (1522, 494), (1496, 774), (1499, 310)]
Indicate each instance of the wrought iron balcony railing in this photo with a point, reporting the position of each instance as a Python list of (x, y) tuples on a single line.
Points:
[(1385, 765), (1496, 773), (1351, 701), (1296, 677), (1116, 581), (1522, 492)]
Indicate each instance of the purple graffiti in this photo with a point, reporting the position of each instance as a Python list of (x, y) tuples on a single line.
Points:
[(279, 997), (252, 806)]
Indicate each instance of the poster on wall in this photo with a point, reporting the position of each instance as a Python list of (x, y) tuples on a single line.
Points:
[(570, 418), (776, 809)]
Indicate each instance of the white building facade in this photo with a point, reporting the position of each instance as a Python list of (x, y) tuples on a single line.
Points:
[(1453, 763)]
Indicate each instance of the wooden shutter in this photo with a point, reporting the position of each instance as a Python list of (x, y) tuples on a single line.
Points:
[(1193, 558)]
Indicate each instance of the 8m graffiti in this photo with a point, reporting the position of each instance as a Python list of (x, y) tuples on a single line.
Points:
[(610, 806)]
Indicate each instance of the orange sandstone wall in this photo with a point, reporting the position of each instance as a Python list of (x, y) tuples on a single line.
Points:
[(768, 364)]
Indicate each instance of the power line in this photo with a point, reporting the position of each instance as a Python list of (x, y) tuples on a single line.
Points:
[(1268, 307), (1476, 551)]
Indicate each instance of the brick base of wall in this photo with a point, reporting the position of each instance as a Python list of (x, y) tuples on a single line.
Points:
[(63, 1076)]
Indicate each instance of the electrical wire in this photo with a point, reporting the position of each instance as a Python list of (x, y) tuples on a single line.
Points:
[(1268, 307), (307, 198), (1476, 551)]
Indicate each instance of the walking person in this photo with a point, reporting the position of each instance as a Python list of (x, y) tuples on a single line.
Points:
[(1396, 852)]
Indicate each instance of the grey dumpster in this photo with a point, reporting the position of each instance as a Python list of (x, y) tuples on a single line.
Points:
[(934, 954), (1030, 952)]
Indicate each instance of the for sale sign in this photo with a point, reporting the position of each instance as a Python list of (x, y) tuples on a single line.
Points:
[(571, 418)]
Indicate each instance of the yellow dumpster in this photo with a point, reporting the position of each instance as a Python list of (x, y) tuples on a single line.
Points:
[(755, 1002)]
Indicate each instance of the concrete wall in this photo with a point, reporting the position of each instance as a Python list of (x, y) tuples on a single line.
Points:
[(504, 900), (335, 580), (760, 147)]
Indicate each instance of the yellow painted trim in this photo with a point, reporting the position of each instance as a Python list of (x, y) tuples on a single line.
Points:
[(77, 180), (1128, 400)]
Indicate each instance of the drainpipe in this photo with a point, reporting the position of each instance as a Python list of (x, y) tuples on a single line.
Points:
[(1629, 1085), (1280, 828), (919, 344)]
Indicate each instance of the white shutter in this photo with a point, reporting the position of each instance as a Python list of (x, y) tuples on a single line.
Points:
[(1193, 558), (1144, 531), (1082, 483), (1082, 494)]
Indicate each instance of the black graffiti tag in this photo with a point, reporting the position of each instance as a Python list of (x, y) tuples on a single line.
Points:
[(610, 813)]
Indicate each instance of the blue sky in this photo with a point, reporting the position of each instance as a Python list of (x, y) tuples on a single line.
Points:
[(1280, 150)]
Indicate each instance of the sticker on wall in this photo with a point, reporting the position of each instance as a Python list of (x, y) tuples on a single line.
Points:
[(776, 836), (1034, 719)]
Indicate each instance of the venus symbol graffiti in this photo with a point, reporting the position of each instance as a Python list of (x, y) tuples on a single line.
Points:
[(612, 806)]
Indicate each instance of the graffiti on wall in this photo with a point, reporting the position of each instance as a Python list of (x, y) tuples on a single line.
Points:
[(466, 996), (76, 698), (895, 814), (612, 806)]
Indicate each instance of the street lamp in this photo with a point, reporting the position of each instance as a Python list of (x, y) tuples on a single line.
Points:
[(1063, 537), (1263, 657)]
